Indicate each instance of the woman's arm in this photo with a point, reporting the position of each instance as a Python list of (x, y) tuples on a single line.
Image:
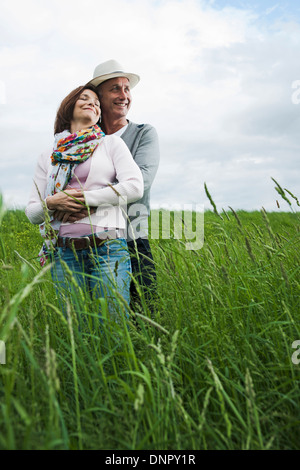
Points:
[(59, 201), (34, 209), (129, 185)]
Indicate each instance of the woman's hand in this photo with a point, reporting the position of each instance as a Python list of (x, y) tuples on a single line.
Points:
[(63, 202)]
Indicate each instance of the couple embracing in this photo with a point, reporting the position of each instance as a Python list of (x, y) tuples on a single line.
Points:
[(100, 166)]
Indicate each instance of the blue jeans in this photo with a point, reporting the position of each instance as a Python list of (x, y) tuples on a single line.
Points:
[(102, 272)]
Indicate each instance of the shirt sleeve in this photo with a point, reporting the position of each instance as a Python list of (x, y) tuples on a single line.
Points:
[(147, 156), (34, 209), (129, 185)]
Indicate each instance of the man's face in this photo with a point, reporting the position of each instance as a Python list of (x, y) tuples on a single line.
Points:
[(115, 98)]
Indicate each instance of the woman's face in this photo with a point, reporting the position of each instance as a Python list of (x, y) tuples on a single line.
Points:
[(87, 109)]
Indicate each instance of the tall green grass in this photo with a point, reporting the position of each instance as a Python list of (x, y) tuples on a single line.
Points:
[(209, 369)]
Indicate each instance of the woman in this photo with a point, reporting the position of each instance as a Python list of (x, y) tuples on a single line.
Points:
[(86, 177)]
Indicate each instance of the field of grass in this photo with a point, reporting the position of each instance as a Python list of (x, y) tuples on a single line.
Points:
[(211, 368)]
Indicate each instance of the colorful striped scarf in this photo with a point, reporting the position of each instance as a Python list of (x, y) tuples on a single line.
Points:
[(71, 150)]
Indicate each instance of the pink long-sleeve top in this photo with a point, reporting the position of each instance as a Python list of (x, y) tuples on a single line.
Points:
[(110, 164)]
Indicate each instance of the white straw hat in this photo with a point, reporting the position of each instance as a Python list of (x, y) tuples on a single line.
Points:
[(112, 69)]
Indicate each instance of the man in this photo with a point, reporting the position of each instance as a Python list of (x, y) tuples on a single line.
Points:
[(115, 87)]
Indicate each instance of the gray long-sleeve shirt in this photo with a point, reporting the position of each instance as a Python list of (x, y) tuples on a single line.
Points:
[(142, 141)]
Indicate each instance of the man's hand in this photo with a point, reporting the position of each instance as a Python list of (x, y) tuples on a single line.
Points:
[(63, 202), (73, 216)]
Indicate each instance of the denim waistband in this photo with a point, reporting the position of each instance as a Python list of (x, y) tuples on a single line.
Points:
[(91, 240)]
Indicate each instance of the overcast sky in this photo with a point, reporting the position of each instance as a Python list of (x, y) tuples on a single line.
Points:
[(220, 81)]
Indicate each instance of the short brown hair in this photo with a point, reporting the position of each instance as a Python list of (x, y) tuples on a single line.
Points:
[(65, 111)]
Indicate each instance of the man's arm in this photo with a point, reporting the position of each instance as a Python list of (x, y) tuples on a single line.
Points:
[(74, 216), (145, 151)]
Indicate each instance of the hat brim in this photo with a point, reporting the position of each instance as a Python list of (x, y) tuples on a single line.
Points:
[(133, 78)]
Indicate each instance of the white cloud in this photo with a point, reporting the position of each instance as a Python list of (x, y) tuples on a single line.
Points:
[(216, 83), (18, 56), (31, 18)]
